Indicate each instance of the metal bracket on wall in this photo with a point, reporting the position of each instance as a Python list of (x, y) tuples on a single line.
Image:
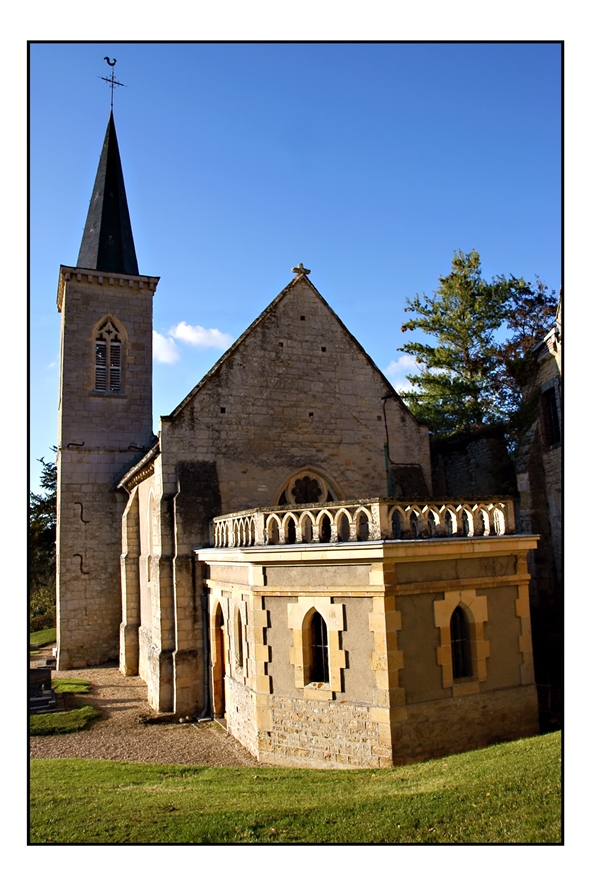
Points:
[(83, 571), (81, 513)]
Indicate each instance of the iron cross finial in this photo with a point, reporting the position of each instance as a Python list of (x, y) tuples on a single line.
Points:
[(111, 80), (300, 270)]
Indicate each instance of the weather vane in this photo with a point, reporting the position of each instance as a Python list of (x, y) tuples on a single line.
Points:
[(111, 80)]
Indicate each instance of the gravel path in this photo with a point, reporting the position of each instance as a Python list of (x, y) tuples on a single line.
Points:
[(122, 733)]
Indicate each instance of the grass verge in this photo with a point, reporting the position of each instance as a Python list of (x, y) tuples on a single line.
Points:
[(70, 684), (508, 793), (43, 638), (62, 721)]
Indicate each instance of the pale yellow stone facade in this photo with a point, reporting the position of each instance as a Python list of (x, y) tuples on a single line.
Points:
[(99, 436), (209, 563), (391, 696)]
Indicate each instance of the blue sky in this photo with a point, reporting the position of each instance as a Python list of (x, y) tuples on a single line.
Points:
[(370, 163)]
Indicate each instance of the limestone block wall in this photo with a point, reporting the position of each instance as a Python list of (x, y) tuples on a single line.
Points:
[(391, 695), (553, 472), (99, 437), (549, 377), (473, 465), (322, 734), (295, 391), (145, 656), (540, 512), (356, 680), (539, 478), (111, 421), (130, 588), (241, 714), (450, 725), (148, 530), (88, 557)]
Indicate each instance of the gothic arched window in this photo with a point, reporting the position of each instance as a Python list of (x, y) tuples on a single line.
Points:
[(460, 644), (319, 650), (108, 357)]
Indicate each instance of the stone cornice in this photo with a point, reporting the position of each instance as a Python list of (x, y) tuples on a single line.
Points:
[(100, 278), (144, 468), (370, 551)]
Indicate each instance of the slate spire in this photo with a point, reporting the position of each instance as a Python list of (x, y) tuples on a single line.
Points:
[(107, 242)]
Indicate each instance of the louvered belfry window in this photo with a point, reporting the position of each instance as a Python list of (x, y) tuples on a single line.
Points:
[(107, 368)]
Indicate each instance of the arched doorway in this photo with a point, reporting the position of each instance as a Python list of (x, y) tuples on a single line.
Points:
[(218, 661)]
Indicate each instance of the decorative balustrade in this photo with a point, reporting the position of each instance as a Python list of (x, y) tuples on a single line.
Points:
[(373, 519)]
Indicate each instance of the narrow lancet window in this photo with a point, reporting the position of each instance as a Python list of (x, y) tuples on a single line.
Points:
[(239, 643), (319, 649), (551, 422), (460, 644)]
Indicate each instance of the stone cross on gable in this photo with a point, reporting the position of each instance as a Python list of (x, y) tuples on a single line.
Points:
[(300, 270)]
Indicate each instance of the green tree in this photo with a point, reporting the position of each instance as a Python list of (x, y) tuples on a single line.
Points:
[(467, 378), (42, 529), (531, 313)]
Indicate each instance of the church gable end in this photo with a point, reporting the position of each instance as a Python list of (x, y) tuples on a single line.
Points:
[(296, 390)]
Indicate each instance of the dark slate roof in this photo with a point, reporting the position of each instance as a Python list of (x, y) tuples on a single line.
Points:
[(107, 242)]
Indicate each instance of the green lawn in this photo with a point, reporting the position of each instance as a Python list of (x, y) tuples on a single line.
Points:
[(43, 638), (70, 685), (508, 793), (62, 721)]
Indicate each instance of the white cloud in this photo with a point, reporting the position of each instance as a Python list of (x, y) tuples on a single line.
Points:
[(201, 337), (397, 371), (164, 348)]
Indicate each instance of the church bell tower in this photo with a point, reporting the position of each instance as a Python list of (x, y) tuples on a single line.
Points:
[(104, 414)]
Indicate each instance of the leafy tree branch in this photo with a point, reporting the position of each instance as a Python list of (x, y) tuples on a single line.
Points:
[(467, 377)]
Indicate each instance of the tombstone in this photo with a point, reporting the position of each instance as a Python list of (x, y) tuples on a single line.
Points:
[(41, 695)]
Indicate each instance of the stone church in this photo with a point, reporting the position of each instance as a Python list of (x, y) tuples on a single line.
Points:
[(275, 557)]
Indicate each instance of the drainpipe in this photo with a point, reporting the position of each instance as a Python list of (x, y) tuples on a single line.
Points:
[(206, 712), (387, 447), (388, 475)]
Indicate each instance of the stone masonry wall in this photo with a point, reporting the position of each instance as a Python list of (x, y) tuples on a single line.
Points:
[(113, 422), (296, 392), (453, 725), (88, 558), (99, 438), (539, 477), (321, 734), (312, 398), (472, 467), (240, 714)]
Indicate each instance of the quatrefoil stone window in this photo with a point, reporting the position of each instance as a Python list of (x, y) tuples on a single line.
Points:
[(306, 488)]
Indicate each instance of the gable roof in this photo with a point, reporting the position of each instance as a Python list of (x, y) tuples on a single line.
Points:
[(259, 320)]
